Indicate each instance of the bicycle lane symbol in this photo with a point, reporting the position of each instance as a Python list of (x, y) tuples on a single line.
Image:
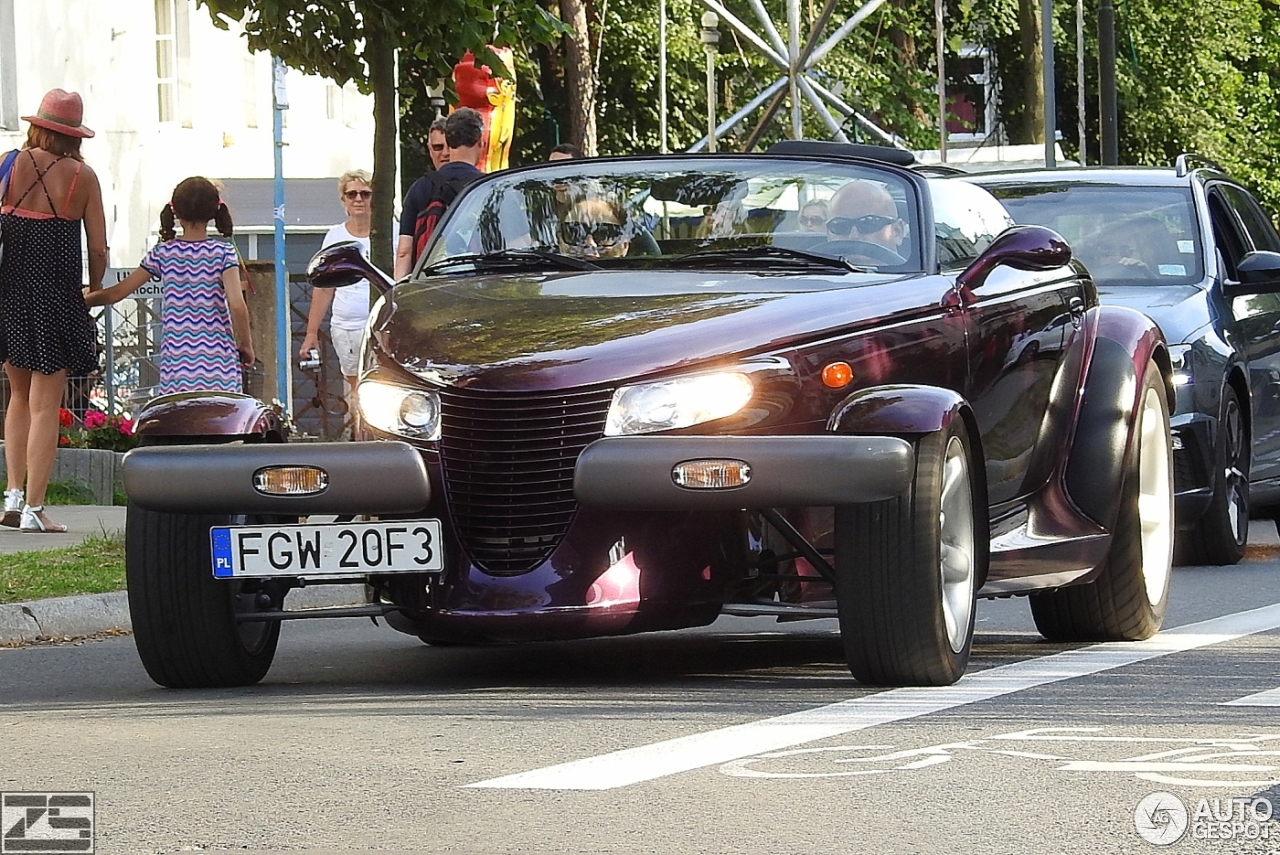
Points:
[(1237, 762)]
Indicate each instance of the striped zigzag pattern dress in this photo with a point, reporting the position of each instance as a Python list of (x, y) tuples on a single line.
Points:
[(197, 348)]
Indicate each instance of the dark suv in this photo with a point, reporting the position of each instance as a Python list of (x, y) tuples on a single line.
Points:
[(1195, 251)]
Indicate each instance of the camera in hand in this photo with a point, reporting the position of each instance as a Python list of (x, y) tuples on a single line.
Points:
[(312, 360)]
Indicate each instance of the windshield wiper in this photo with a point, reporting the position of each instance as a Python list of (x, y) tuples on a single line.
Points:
[(512, 258), (767, 253)]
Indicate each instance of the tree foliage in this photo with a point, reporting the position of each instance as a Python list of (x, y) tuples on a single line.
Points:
[(355, 40)]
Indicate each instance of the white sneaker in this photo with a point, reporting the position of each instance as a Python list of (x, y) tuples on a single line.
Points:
[(12, 508)]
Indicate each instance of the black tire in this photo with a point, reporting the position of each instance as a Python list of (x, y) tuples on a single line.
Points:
[(899, 623), (183, 618), (1126, 601), (1222, 532)]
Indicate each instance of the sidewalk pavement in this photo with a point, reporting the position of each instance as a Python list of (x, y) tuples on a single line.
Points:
[(91, 614)]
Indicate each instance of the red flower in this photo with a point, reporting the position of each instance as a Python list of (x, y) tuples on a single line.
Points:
[(94, 419), (65, 418), (62, 440)]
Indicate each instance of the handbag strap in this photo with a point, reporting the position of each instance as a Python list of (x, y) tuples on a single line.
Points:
[(6, 166)]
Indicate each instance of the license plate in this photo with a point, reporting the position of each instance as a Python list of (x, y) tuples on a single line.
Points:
[(329, 549)]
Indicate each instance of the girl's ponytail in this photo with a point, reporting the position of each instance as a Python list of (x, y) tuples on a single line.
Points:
[(167, 221), (222, 219)]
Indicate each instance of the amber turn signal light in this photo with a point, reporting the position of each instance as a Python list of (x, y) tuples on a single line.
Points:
[(711, 474), (290, 480), (837, 375)]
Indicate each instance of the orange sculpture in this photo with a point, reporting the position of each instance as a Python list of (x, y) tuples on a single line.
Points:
[(494, 96)]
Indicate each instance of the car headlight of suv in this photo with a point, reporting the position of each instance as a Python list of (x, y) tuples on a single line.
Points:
[(1180, 360), (677, 403), (408, 411)]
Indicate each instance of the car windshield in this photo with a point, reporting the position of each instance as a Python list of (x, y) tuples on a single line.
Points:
[(1125, 235), (760, 212)]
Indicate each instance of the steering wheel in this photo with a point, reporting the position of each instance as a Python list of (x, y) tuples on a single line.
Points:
[(874, 251)]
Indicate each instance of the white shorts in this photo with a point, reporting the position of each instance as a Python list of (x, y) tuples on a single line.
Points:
[(347, 343)]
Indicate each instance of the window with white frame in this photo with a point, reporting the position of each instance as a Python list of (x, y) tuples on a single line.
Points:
[(971, 103), (173, 62), (8, 68)]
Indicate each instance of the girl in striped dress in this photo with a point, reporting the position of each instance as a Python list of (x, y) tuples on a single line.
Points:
[(205, 319)]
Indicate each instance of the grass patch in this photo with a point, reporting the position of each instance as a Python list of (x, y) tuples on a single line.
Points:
[(94, 567), (68, 493)]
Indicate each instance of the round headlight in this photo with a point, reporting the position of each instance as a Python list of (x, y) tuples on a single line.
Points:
[(419, 411)]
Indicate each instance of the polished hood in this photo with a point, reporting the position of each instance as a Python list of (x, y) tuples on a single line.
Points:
[(564, 330), (1179, 310)]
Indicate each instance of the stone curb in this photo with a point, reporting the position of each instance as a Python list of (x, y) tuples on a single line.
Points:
[(90, 614)]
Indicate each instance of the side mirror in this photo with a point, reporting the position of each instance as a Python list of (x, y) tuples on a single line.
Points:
[(344, 264), (1021, 247), (1259, 273)]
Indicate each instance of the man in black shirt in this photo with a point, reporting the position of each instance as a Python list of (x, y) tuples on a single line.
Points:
[(431, 194)]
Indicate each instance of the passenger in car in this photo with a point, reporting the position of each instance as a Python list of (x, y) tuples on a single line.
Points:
[(595, 227), (1138, 247), (813, 216)]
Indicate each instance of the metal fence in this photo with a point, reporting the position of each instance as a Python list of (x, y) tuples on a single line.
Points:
[(129, 334)]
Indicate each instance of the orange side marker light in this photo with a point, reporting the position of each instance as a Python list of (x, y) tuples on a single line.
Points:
[(837, 375)]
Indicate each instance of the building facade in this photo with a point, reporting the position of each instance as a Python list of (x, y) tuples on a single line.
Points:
[(170, 95)]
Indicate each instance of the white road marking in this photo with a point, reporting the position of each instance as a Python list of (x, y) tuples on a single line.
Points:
[(683, 754), (1269, 698)]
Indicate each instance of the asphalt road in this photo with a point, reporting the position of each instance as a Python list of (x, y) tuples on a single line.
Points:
[(744, 737)]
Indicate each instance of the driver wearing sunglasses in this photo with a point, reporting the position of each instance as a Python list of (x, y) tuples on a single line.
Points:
[(594, 228), (864, 211)]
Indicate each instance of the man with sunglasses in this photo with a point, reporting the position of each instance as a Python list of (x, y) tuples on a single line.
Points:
[(863, 212), (437, 148)]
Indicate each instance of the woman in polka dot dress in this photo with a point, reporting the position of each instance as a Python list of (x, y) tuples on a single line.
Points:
[(205, 319), (45, 329)]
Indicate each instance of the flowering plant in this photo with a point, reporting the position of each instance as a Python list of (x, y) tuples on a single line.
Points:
[(96, 430)]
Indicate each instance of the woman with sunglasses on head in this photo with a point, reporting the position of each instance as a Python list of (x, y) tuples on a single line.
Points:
[(350, 304), (594, 227)]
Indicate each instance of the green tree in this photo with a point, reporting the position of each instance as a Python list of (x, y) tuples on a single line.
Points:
[(356, 40)]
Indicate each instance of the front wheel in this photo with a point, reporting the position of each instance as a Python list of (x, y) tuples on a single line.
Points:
[(184, 620), (1127, 599), (907, 570)]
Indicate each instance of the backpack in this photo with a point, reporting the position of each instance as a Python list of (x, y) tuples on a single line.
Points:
[(442, 195)]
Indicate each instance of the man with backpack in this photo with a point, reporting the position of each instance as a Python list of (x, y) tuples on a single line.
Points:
[(431, 195)]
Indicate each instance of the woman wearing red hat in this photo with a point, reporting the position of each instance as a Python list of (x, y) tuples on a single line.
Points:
[(45, 329)]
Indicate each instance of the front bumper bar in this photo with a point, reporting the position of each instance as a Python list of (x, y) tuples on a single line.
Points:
[(635, 472), (364, 478)]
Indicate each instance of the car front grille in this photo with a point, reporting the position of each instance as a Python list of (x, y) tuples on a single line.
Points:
[(508, 462)]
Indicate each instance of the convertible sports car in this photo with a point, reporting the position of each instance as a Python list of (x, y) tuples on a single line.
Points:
[(629, 394)]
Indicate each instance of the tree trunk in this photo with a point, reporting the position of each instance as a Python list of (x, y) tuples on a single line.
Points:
[(1033, 70), (382, 80), (579, 78), (904, 44)]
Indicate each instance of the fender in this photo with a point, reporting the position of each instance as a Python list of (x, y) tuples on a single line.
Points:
[(896, 409), (1126, 340), (210, 414)]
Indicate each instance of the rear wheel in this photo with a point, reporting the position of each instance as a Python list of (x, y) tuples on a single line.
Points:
[(907, 571), (1221, 534), (1127, 600), (184, 620)]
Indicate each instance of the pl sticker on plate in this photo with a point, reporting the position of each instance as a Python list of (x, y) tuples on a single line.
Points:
[(1171, 269)]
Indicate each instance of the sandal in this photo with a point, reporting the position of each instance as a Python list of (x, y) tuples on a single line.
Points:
[(12, 508), (33, 519)]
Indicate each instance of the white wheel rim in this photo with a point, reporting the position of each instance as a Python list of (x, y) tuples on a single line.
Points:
[(1155, 496), (956, 559)]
